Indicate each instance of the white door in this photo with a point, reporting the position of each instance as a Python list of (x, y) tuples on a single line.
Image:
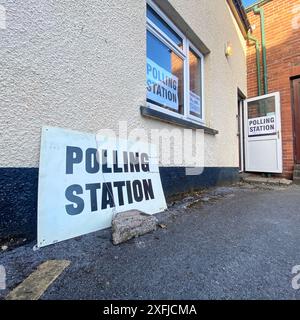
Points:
[(262, 124)]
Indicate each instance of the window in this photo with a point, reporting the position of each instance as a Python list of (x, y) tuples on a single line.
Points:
[(174, 69)]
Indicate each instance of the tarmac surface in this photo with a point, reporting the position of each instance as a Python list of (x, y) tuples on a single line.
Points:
[(238, 242)]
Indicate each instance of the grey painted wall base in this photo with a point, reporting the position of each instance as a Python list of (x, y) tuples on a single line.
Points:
[(19, 187)]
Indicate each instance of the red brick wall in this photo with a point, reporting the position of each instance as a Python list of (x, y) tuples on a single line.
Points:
[(283, 59)]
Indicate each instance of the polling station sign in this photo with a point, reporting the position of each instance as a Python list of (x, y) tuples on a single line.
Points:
[(262, 126), (162, 86), (195, 103), (84, 179)]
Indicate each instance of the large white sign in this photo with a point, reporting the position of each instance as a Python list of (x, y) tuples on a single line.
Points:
[(262, 126), (85, 178), (162, 86)]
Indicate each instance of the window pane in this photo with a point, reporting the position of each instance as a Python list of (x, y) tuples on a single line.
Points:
[(156, 19), (164, 76), (195, 85), (261, 108)]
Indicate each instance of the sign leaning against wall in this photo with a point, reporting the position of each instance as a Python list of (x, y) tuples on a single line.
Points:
[(84, 179)]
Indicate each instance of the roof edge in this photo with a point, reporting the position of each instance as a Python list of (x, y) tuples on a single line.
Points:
[(240, 15)]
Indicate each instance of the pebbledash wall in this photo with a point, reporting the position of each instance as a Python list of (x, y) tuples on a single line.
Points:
[(82, 65), (282, 32)]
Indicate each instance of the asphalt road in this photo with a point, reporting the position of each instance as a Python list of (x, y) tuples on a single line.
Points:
[(239, 243)]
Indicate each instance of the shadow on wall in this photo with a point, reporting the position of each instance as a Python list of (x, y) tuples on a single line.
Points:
[(282, 47), (283, 62)]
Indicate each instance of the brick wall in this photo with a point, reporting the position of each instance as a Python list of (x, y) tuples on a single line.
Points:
[(282, 19)]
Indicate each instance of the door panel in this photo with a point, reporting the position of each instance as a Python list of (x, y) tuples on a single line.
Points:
[(263, 147), (296, 93), (263, 155)]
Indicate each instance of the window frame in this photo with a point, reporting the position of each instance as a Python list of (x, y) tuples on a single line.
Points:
[(184, 54)]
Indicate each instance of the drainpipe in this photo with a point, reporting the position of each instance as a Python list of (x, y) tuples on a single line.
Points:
[(252, 38), (260, 11)]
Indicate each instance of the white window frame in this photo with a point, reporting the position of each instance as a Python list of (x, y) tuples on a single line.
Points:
[(183, 54)]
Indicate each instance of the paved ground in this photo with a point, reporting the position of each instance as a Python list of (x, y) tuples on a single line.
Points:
[(241, 243)]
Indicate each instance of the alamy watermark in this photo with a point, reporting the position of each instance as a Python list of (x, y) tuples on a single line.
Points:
[(296, 278), (2, 278), (167, 147)]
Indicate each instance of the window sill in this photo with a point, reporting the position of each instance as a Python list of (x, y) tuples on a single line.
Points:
[(151, 113)]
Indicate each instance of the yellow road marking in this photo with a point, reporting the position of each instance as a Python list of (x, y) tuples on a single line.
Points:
[(37, 283)]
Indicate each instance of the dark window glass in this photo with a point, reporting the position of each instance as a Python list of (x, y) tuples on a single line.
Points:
[(261, 108), (156, 19)]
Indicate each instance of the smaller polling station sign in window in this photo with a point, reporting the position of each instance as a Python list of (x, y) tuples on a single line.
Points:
[(195, 103), (85, 178)]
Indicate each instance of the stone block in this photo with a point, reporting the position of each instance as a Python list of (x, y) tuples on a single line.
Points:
[(130, 224)]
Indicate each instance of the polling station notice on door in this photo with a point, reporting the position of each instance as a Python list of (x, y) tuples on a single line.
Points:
[(85, 178), (262, 126), (162, 86)]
